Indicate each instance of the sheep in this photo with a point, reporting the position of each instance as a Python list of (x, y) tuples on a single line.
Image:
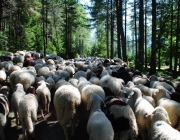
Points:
[(15, 99), (26, 78), (67, 100), (112, 83), (146, 90), (94, 80), (44, 97), (4, 110), (137, 79), (60, 83), (27, 111), (86, 92), (123, 74), (13, 68), (122, 118), (154, 83), (160, 126), (63, 74), (51, 82), (141, 108), (6, 64), (3, 74), (80, 73), (5, 90), (73, 81), (172, 107), (43, 71), (98, 126)]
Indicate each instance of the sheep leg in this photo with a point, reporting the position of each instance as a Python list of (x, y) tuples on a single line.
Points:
[(16, 116), (66, 132), (41, 111), (47, 110), (24, 130)]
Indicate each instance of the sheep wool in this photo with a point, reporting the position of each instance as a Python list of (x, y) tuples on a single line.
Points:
[(141, 108), (15, 99), (122, 118), (172, 107), (27, 110), (67, 100), (98, 126), (44, 97), (160, 128), (4, 110)]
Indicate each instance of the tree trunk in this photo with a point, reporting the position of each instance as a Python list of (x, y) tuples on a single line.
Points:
[(153, 47), (118, 28), (112, 31), (175, 74), (107, 28), (145, 35), (140, 56), (122, 32), (135, 24), (171, 40)]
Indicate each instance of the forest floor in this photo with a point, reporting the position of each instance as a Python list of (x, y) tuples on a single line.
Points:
[(45, 129)]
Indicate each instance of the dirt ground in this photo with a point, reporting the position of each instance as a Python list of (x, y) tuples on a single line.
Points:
[(47, 129)]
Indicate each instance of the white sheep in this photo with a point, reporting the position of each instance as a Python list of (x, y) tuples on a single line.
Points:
[(122, 118), (141, 108), (98, 126), (137, 79), (67, 100), (44, 97), (160, 126), (27, 110), (43, 71), (73, 81), (15, 99), (3, 74), (172, 107), (94, 80), (86, 93), (4, 110), (26, 78)]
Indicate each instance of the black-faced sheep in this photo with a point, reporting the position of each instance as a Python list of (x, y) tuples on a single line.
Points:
[(67, 100)]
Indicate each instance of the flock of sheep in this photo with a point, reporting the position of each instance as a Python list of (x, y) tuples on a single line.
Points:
[(117, 102)]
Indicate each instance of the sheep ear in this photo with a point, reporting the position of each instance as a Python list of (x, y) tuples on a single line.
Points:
[(156, 91), (149, 116), (89, 103), (131, 94), (47, 84)]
